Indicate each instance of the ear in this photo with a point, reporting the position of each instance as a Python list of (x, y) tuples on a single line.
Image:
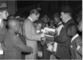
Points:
[(62, 13)]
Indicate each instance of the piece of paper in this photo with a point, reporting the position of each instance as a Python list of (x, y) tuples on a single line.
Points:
[(55, 47), (49, 29), (46, 30), (1, 50), (49, 36)]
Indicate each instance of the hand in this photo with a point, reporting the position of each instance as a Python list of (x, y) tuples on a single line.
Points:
[(43, 35), (50, 48)]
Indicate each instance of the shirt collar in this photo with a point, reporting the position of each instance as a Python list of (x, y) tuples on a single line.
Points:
[(30, 18), (59, 23), (68, 19), (74, 37)]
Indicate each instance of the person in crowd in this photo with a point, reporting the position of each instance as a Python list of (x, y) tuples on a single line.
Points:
[(63, 50), (11, 16), (38, 25), (51, 24), (79, 17), (12, 44), (56, 18), (80, 24), (40, 48), (59, 25), (31, 35), (76, 42), (3, 16)]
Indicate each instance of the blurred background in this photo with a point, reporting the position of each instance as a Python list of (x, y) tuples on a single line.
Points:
[(23, 7)]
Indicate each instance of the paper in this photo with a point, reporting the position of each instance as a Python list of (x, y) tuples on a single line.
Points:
[(49, 29), (38, 31), (48, 35), (55, 47), (46, 30), (1, 50)]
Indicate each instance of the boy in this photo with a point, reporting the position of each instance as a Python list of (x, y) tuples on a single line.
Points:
[(76, 40)]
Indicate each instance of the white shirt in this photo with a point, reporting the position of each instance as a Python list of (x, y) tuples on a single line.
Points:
[(74, 37), (68, 19), (30, 18), (59, 29)]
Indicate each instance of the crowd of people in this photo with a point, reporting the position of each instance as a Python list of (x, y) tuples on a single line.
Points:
[(35, 38)]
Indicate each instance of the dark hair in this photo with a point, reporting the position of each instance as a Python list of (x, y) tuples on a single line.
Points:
[(72, 27), (35, 11), (56, 15), (66, 9)]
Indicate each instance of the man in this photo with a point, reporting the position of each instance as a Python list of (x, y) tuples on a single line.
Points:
[(12, 44), (31, 35), (57, 21), (3, 16), (76, 42), (63, 49), (59, 25)]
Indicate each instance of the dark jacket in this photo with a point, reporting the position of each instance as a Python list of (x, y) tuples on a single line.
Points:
[(76, 54), (63, 49)]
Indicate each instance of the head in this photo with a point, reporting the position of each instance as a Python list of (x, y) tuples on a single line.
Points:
[(4, 14), (38, 24), (14, 25), (65, 13), (46, 19), (51, 24), (56, 18), (34, 14), (71, 30)]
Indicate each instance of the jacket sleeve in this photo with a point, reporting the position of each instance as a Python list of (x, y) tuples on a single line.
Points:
[(20, 46), (60, 39), (30, 32)]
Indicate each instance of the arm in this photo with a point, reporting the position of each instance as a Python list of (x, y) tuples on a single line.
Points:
[(20, 46), (60, 39)]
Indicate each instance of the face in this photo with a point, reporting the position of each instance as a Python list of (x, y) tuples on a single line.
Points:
[(63, 16), (56, 20), (4, 14), (17, 27), (36, 17)]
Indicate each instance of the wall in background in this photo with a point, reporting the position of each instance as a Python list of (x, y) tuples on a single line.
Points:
[(11, 5)]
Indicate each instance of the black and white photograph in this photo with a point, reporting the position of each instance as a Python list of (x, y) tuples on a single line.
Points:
[(41, 30)]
